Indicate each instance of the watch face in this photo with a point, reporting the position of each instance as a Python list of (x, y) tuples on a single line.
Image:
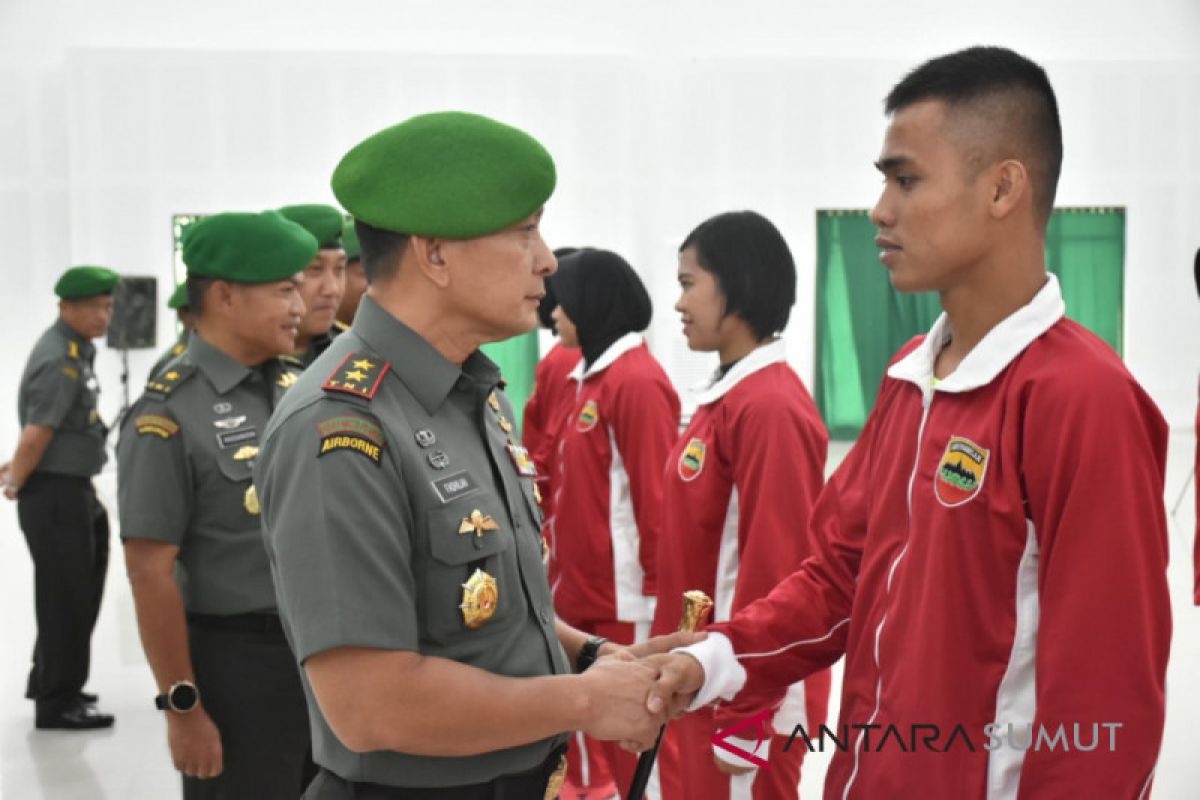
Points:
[(183, 697)]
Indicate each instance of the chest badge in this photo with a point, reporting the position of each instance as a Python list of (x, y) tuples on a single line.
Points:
[(521, 460), (480, 597), (691, 460), (960, 473), (250, 502), (478, 524), (245, 453), (588, 416), (229, 423)]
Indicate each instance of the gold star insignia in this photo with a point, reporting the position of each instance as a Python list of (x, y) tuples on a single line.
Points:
[(477, 524), (287, 379), (355, 375), (363, 363), (172, 375)]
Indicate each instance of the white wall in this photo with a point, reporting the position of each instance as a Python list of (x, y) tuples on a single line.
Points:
[(117, 115)]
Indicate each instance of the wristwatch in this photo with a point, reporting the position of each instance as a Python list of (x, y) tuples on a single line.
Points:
[(182, 697), (589, 653)]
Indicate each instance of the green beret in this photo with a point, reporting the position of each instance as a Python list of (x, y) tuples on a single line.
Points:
[(242, 247), (350, 241), (178, 297), (78, 283), (323, 222), (450, 175)]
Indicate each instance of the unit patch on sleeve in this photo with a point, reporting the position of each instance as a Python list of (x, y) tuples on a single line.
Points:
[(156, 425), (359, 374), (353, 433), (960, 473), (691, 460)]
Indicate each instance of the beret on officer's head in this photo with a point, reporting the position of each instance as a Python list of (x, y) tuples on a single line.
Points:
[(179, 298), (242, 247), (79, 283), (323, 222), (350, 241), (450, 175)]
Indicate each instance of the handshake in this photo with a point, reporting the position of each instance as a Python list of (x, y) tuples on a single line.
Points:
[(632, 691)]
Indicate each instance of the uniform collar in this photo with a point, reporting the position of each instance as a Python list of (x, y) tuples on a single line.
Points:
[(86, 348), (630, 341), (221, 369), (759, 358), (428, 374), (994, 352)]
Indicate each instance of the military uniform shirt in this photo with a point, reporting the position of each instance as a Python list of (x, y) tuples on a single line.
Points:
[(172, 352), (374, 471), (59, 390), (184, 461)]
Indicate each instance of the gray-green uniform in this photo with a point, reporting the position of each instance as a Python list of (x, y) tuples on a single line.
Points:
[(184, 465), (390, 479), (172, 352), (65, 526)]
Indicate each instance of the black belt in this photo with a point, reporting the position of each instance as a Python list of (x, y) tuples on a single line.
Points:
[(528, 785), (240, 623)]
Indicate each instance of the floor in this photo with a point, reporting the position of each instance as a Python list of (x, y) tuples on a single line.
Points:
[(130, 761)]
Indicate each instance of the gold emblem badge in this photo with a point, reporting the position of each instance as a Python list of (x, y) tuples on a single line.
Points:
[(250, 502), (480, 597), (245, 453), (287, 379), (961, 472), (477, 524), (505, 425), (537, 493), (494, 402)]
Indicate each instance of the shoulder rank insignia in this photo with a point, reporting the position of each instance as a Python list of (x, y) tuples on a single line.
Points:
[(359, 374), (73, 349), (156, 425), (286, 379), (480, 598), (169, 380), (178, 349)]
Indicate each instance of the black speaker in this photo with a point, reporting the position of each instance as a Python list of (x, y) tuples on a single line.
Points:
[(135, 314)]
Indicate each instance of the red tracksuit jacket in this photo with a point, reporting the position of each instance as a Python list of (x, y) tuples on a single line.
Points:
[(992, 552), (553, 396), (609, 496), (739, 489)]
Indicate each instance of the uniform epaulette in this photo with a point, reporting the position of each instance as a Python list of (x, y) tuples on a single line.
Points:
[(178, 349), (339, 327), (73, 349), (359, 374), (293, 360), (169, 379)]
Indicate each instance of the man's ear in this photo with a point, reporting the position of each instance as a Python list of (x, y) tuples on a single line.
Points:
[(1010, 188), (220, 295), (429, 259)]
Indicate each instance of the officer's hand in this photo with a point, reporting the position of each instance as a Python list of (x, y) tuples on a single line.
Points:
[(617, 687), (195, 743), (663, 644), (10, 491), (680, 677)]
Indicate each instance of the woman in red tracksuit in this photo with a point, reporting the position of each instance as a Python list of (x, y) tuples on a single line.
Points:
[(739, 488), (608, 502)]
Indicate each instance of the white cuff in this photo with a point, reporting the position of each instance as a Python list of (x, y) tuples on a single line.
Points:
[(724, 677), (748, 746)]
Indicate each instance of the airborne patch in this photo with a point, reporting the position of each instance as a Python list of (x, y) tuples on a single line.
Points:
[(359, 374), (960, 473), (155, 425), (353, 433), (691, 460), (588, 416)]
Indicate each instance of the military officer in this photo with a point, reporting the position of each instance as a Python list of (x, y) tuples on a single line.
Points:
[(398, 504), (61, 447), (178, 303), (324, 279), (234, 707), (356, 278)]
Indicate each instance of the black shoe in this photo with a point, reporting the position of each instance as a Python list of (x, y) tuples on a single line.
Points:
[(79, 717), (89, 698)]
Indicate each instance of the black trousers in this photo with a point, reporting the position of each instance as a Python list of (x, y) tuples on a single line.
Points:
[(66, 530), (250, 685)]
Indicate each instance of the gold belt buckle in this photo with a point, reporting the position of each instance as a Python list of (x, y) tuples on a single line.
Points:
[(557, 778)]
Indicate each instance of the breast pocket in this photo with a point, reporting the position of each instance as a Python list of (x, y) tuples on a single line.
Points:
[(471, 585)]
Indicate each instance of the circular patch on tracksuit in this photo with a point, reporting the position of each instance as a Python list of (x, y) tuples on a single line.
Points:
[(588, 416)]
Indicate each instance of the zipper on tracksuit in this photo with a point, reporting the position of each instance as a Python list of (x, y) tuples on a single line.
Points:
[(926, 403)]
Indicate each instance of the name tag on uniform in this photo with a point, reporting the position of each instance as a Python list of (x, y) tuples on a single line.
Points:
[(521, 460), (452, 486), (236, 437)]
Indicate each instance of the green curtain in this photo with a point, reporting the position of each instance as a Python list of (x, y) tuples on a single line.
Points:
[(517, 358), (862, 321)]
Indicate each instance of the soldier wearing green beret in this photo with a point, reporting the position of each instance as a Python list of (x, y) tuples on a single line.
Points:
[(324, 279), (398, 504), (178, 302), (50, 475), (356, 278), (190, 518)]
